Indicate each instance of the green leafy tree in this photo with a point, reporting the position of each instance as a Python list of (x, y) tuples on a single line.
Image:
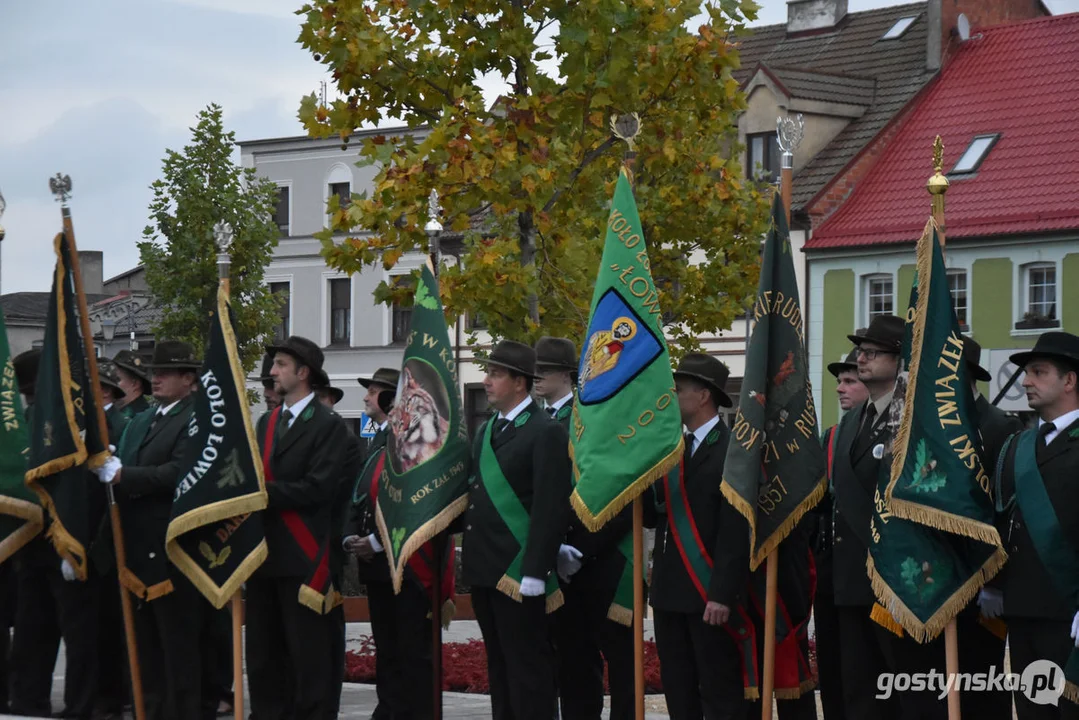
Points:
[(525, 183), (200, 187)]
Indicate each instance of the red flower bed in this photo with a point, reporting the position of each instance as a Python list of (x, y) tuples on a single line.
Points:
[(464, 666)]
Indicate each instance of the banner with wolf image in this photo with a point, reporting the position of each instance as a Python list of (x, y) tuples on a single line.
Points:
[(423, 481)]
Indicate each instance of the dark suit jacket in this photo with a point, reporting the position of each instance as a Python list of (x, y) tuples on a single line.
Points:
[(723, 531), (351, 467), (147, 484), (534, 457), (855, 474), (599, 549), (1029, 590), (361, 519), (995, 426), (307, 464)]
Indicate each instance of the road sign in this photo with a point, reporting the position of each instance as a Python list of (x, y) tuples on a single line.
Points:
[(1001, 369), (367, 426)]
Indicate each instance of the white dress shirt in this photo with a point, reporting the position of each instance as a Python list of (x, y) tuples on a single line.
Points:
[(1061, 424), (297, 408), (701, 433)]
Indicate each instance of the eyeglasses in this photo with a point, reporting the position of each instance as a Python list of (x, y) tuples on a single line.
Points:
[(872, 354)]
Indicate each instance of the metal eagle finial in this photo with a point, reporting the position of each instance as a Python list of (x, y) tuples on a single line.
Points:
[(61, 188)]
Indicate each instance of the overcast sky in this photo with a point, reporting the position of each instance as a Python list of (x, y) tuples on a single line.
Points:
[(99, 90)]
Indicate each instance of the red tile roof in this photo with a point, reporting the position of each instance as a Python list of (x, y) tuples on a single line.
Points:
[(1021, 81)]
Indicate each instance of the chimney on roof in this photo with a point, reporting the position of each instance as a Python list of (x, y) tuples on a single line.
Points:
[(92, 266), (803, 15)]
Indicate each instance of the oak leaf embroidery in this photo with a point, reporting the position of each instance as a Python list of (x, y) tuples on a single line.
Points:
[(215, 559)]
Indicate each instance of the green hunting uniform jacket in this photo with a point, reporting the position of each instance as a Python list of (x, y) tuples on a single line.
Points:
[(151, 449), (533, 453)]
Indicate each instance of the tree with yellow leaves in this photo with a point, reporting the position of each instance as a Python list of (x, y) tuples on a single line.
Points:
[(525, 182)]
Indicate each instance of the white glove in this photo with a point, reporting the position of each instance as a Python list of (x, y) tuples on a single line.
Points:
[(1075, 629), (112, 449), (991, 602), (532, 587), (108, 470), (569, 561), (375, 544), (67, 571)]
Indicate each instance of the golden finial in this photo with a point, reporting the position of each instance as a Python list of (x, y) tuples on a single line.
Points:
[(938, 183)]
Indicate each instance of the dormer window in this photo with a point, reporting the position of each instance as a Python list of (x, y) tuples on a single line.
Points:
[(977, 151), (900, 27)]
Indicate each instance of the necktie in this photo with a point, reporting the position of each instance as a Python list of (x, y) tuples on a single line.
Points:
[(157, 416), (866, 431), (1043, 433), (500, 425), (689, 439), (551, 410), (282, 425)]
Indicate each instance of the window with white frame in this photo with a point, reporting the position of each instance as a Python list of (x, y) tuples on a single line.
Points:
[(400, 315), (341, 311), (282, 328), (762, 156), (957, 285), (1041, 292), (281, 211), (879, 300)]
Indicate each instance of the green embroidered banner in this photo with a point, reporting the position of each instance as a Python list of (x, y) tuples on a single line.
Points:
[(626, 430), (215, 535), (424, 484), (65, 441), (934, 544), (20, 514), (775, 467)]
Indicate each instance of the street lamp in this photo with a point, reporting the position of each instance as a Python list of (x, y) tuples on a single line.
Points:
[(108, 330), (433, 228)]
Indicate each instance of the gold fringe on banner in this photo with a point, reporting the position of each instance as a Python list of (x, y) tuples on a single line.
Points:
[(24, 510), (882, 617), (621, 615), (624, 498), (225, 509), (423, 533), (780, 533), (795, 693), (906, 509), (931, 628)]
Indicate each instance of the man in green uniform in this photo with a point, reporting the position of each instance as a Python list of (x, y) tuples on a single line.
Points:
[(128, 373), (514, 526), (293, 606), (852, 393), (591, 567), (398, 627), (700, 562), (172, 613), (1037, 489), (980, 650), (856, 468), (134, 379)]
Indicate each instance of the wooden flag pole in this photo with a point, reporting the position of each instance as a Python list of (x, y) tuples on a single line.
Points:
[(769, 679), (937, 186), (61, 187), (434, 228), (626, 127), (439, 550), (638, 605), (789, 131), (223, 239)]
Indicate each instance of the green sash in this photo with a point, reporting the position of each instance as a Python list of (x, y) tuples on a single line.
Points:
[(513, 513), (1053, 548)]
